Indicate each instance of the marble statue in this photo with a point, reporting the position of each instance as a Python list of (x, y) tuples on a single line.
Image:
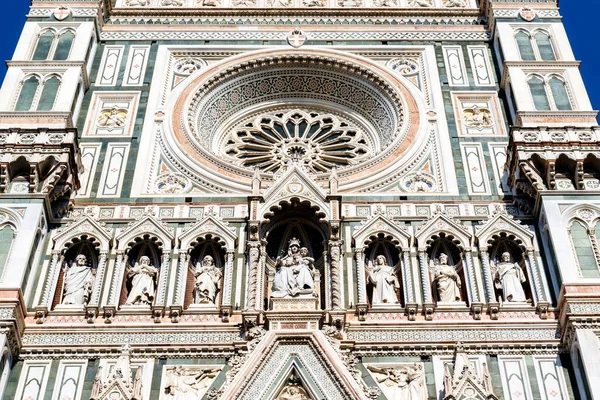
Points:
[(293, 392), (509, 277), (384, 281), (405, 382), (188, 383), (78, 282), (207, 281), (294, 273), (446, 280), (143, 285)]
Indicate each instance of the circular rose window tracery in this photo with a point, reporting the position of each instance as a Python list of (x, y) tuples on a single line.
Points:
[(318, 140)]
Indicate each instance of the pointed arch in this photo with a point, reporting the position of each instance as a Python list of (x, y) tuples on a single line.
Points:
[(381, 224), (442, 225), (44, 44), (502, 224), (148, 226)]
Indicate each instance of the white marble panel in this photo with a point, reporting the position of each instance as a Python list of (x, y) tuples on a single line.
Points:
[(515, 381), (498, 156), (113, 172), (89, 157), (483, 75), (136, 66), (108, 73), (455, 66), (475, 169), (550, 377), (33, 380), (70, 379)]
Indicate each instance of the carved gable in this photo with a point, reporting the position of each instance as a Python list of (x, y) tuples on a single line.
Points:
[(146, 225)]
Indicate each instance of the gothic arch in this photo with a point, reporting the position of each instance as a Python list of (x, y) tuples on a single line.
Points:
[(146, 226), (381, 224), (502, 224), (442, 224)]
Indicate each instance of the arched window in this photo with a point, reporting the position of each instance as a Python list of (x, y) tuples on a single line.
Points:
[(6, 240), (538, 92), (559, 94), (583, 249), (525, 47), (49, 94), (27, 96), (63, 48), (542, 39), (44, 44)]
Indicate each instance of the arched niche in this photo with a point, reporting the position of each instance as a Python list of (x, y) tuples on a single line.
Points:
[(208, 236), (141, 278), (84, 236), (441, 276), (387, 246), (147, 237), (295, 220), (214, 247), (500, 232), (380, 234)]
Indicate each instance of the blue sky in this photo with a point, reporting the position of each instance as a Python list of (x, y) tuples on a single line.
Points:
[(585, 45)]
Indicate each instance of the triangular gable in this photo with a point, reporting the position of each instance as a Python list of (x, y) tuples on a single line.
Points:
[(83, 226), (116, 386), (441, 223), (380, 223), (146, 225), (208, 225), (310, 354), (501, 222), (295, 183)]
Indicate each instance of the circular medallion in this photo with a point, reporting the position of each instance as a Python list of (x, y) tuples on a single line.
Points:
[(61, 13), (296, 38), (527, 14)]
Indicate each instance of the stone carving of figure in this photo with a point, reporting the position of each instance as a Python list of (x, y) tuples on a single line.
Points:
[(112, 119), (207, 281), (313, 3), (294, 273), (421, 3), (78, 282), (244, 3), (446, 280), (479, 118), (142, 276), (209, 3), (136, 3), (455, 3), (384, 281), (178, 3), (188, 383), (509, 277), (293, 392), (280, 3), (401, 383)]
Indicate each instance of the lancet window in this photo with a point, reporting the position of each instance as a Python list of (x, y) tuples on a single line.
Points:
[(54, 45), (549, 93), (584, 239), (37, 93), (535, 45)]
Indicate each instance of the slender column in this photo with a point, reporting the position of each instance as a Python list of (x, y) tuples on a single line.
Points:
[(425, 286), (408, 281), (117, 278), (326, 278), (55, 263), (228, 278), (487, 275), (336, 289), (253, 261), (360, 277), (538, 291), (471, 274), (184, 259), (100, 271), (165, 267)]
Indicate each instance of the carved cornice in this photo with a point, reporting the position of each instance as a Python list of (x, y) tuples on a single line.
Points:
[(12, 317)]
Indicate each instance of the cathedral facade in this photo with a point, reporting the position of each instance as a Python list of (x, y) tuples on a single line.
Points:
[(298, 200)]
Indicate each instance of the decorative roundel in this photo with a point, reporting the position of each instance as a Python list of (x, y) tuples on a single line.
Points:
[(404, 65), (189, 65), (318, 108), (171, 183)]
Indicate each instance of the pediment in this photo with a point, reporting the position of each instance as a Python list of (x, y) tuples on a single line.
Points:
[(116, 390), (295, 183), (442, 223), (148, 224), (83, 226), (307, 355), (381, 224), (209, 225), (500, 222)]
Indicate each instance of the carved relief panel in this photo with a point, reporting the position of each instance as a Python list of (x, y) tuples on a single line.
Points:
[(111, 114)]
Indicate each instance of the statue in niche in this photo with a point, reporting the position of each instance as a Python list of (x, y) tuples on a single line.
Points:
[(446, 280), (294, 273), (183, 383), (112, 118), (401, 383), (78, 282), (384, 281), (207, 281), (509, 277), (143, 287), (478, 118)]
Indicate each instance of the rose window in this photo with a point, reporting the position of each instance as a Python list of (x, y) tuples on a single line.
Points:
[(317, 140)]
